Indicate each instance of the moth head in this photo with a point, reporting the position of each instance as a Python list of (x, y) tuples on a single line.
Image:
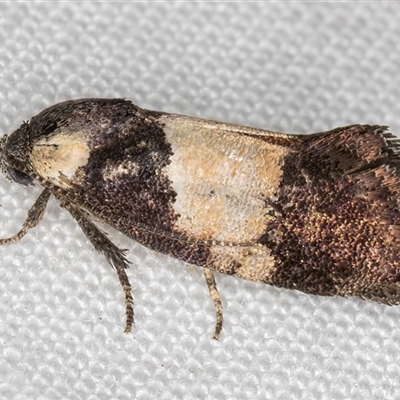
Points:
[(13, 157)]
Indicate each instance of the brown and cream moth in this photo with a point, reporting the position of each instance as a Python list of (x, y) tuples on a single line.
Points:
[(317, 213)]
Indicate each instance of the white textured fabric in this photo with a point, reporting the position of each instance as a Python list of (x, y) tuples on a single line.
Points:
[(291, 67)]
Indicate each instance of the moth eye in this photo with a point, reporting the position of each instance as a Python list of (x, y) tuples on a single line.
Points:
[(19, 177)]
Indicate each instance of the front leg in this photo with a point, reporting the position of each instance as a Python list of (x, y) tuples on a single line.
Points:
[(113, 254), (35, 214)]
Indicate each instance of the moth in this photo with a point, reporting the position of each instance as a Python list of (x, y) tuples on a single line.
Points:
[(318, 213)]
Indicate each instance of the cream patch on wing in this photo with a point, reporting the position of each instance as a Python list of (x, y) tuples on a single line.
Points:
[(254, 263), (222, 178), (57, 158)]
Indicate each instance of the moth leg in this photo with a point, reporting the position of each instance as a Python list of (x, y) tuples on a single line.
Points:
[(35, 214), (214, 294), (113, 254)]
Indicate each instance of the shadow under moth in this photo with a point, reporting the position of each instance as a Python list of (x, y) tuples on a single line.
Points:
[(317, 213)]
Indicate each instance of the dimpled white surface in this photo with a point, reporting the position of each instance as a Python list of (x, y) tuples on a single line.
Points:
[(291, 67)]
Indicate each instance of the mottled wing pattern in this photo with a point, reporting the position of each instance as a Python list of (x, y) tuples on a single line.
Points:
[(336, 229), (316, 213)]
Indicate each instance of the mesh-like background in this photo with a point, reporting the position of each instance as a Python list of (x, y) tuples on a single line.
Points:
[(291, 67)]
